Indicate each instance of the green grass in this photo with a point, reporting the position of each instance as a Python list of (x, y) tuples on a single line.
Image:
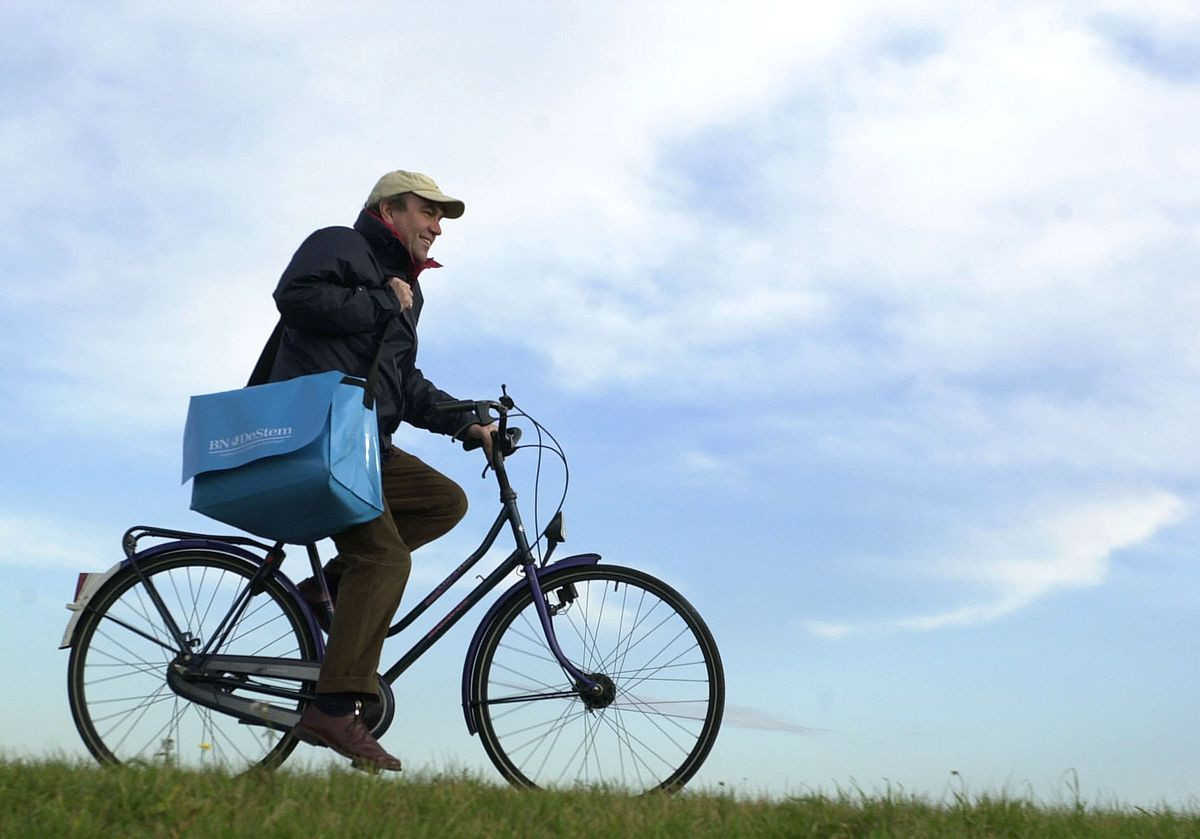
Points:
[(58, 798)]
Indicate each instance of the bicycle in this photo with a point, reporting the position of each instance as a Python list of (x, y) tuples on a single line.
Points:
[(200, 651)]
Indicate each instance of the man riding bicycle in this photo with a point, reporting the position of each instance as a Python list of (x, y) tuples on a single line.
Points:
[(345, 292)]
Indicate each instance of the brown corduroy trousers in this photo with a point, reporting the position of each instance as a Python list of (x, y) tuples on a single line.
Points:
[(373, 564)]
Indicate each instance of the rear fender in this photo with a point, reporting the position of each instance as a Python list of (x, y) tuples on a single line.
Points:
[(91, 584), (516, 590)]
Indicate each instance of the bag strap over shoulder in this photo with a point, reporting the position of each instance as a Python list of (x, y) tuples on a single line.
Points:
[(373, 371), (266, 360)]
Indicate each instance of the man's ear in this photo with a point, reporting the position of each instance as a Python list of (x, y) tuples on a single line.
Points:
[(400, 203)]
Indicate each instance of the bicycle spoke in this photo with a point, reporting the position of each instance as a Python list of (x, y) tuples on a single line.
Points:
[(142, 702), (139, 665), (145, 611), (571, 759), (646, 666), (643, 748), (521, 674), (558, 730), (653, 719), (564, 717), (120, 699), (145, 707), (633, 636)]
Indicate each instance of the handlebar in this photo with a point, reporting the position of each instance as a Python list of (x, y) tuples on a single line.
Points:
[(482, 409), (504, 439), (504, 442)]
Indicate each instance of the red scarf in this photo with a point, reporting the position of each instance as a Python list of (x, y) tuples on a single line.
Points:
[(415, 269)]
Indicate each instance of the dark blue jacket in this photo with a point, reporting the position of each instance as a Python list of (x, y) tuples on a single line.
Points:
[(335, 307)]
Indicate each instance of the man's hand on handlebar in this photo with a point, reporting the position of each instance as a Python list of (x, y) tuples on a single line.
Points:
[(482, 433)]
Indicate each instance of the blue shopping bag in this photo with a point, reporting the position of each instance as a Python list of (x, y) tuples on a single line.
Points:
[(293, 461)]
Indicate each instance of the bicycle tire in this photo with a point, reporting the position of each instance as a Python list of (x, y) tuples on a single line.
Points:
[(116, 679), (667, 694)]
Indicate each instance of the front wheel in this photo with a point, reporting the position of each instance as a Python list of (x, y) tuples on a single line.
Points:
[(663, 688)]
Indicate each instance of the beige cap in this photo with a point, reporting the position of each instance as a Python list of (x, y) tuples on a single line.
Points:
[(398, 182)]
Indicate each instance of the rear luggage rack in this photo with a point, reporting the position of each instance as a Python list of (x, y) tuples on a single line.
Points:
[(134, 534)]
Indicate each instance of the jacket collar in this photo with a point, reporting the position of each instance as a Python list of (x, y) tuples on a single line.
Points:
[(385, 243)]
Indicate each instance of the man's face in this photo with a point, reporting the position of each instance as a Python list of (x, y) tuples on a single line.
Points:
[(418, 221)]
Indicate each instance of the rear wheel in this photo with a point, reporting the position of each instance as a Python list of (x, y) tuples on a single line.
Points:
[(662, 687), (116, 679)]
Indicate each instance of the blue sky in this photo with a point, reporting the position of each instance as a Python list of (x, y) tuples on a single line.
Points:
[(873, 329)]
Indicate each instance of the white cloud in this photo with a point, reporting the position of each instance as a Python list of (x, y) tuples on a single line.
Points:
[(1000, 195), (829, 629), (756, 719), (968, 252), (702, 463), (962, 187), (959, 218), (1037, 554), (193, 185)]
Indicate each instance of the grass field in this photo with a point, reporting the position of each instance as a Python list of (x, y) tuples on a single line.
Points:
[(54, 799)]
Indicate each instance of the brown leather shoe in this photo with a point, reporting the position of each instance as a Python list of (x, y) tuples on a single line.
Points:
[(348, 736)]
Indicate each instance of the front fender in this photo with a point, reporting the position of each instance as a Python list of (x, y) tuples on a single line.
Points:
[(516, 590), (92, 584)]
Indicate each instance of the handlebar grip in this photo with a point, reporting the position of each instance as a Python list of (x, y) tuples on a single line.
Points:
[(454, 405), (514, 437)]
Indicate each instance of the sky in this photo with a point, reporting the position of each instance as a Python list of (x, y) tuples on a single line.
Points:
[(871, 327)]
